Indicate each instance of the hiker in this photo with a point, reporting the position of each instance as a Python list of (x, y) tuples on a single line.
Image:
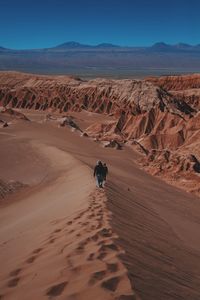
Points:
[(105, 168), (99, 173)]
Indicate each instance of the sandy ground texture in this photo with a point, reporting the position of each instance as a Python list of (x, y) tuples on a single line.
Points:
[(62, 238), (55, 238)]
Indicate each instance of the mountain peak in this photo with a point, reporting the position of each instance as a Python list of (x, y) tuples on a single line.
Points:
[(71, 44), (160, 45), (107, 45)]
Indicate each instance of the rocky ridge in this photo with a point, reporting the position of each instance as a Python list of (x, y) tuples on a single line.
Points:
[(185, 87), (150, 114)]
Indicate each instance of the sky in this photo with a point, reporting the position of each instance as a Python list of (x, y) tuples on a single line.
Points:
[(28, 24)]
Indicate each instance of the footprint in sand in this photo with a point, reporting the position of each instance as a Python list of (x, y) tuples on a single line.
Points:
[(100, 219), (76, 218), (101, 243), (64, 247), (15, 272), (81, 246), (91, 216), (38, 250), (105, 232), (13, 282), (80, 215), (93, 227), (97, 276), (57, 289), (95, 237), (100, 213), (31, 259), (97, 207), (112, 267), (57, 230), (51, 241), (100, 224), (69, 223), (111, 284), (85, 223), (102, 255), (91, 256), (111, 246)]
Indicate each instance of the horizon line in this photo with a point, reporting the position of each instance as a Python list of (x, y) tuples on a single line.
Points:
[(103, 43)]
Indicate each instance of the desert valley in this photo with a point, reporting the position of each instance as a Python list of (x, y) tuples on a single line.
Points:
[(61, 237)]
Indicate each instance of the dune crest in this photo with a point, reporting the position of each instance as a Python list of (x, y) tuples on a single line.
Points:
[(70, 250)]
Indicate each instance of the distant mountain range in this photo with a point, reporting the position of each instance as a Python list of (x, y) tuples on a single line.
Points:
[(177, 47), (104, 59), (156, 47), (75, 45), (161, 46)]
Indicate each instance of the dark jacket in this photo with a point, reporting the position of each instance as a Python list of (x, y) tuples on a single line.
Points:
[(99, 170)]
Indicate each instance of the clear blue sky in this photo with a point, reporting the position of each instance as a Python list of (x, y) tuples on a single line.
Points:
[(45, 23)]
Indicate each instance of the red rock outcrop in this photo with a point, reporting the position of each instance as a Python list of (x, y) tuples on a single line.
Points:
[(186, 87), (177, 83), (68, 121), (64, 93), (166, 128)]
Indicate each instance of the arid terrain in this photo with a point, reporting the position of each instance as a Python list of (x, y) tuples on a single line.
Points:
[(104, 60), (159, 116), (63, 238)]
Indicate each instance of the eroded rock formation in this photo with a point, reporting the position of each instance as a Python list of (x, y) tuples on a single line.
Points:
[(185, 88), (63, 93), (156, 115)]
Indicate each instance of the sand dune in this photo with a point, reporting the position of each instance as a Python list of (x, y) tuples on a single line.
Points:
[(59, 239)]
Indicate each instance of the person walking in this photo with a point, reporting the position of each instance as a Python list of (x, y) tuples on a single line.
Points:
[(99, 173)]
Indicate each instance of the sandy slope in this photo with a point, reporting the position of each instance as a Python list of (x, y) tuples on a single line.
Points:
[(56, 241), (158, 227)]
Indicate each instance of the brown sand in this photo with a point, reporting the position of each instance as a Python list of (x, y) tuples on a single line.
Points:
[(56, 242)]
